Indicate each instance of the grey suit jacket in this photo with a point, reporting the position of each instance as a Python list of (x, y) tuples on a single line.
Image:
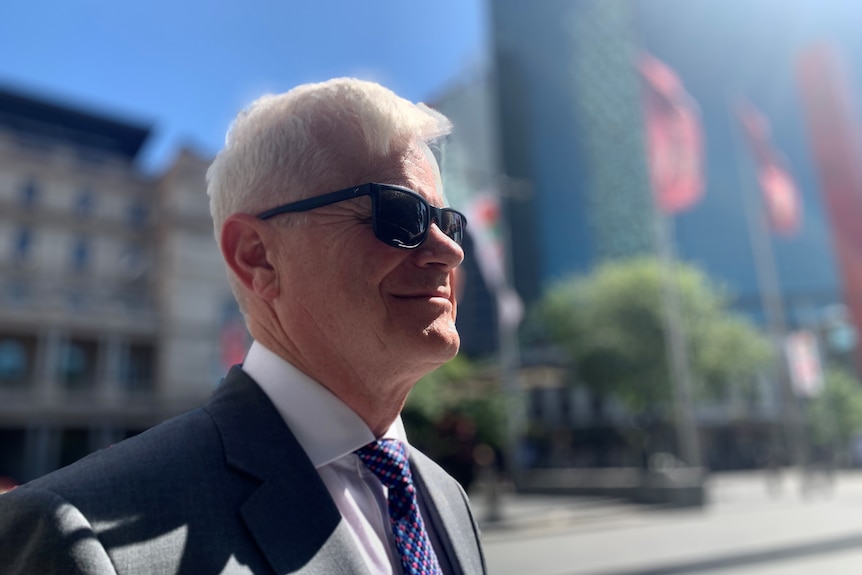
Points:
[(225, 488)]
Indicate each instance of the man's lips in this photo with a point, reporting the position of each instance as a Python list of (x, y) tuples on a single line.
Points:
[(442, 294)]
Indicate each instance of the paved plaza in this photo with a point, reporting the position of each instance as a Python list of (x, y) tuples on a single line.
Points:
[(749, 527)]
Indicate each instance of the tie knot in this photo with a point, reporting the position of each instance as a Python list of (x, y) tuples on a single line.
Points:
[(387, 459)]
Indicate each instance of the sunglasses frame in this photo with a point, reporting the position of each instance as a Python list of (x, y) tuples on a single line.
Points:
[(435, 214)]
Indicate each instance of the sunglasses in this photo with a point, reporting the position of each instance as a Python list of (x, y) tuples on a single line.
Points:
[(400, 217)]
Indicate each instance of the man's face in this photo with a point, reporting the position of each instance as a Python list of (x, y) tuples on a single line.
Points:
[(350, 298)]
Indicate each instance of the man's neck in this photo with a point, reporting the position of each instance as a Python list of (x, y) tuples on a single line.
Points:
[(377, 398)]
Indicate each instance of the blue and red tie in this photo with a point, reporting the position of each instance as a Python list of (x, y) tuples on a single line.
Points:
[(387, 459)]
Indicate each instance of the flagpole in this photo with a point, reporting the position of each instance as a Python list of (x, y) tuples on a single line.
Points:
[(770, 296), (510, 352), (493, 257), (677, 350), (674, 156), (510, 359)]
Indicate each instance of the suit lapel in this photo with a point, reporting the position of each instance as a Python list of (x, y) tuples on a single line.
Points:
[(291, 515), (449, 514)]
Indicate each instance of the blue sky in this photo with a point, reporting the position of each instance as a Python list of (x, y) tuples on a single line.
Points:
[(186, 67)]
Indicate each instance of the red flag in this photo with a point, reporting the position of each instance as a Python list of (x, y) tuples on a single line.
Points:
[(831, 107), (674, 140), (484, 217), (780, 196)]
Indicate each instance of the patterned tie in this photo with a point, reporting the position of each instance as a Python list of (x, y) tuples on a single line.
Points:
[(387, 459)]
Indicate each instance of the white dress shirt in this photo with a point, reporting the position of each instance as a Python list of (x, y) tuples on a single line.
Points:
[(329, 432)]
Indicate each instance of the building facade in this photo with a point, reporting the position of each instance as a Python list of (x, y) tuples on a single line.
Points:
[(555, 125), (112, 292), (566, 127)]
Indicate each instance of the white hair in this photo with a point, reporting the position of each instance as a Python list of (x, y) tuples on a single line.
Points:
[(311, 140)]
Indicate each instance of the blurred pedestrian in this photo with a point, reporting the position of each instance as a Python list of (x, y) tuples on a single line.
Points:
[(328, 210)]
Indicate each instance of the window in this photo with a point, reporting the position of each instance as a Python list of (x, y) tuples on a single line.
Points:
[(536, 404), (15, 360), (29, 194), (80, 254), (139, 367), (84, 204), (23, 245), (78, 364)]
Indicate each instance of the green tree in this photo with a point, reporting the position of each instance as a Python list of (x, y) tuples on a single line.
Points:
[(453, 408), (610, 325), (464, 387), (835, 415)]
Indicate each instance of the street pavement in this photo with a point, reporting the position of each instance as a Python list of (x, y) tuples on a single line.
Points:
[(747, 528)]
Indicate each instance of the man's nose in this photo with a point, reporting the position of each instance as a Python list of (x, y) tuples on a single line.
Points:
[(438, 248)]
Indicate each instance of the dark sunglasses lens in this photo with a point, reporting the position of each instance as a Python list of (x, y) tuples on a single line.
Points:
[(401, 219), (452, 224)]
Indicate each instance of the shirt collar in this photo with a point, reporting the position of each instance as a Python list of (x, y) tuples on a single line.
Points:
[(325, 427)]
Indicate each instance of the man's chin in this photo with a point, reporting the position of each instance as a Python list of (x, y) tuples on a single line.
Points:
[(448, 348), (442, 343)]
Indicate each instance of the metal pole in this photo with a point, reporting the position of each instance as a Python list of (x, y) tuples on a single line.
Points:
[(770, 297), (509, 360), (510, 355), (677, 349)]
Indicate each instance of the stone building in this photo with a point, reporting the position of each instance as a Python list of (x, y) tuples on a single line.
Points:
[(115, 311)]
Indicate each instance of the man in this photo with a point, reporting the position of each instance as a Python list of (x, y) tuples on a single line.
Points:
[(327, 207)]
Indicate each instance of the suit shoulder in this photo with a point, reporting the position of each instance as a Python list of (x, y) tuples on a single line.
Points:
[(159, 452), (432, 470), (40, 532), (450, 501), (432, 473)]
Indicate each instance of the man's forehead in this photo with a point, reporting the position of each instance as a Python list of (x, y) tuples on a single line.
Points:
[(428, 169), (413, 168), (435, 167)]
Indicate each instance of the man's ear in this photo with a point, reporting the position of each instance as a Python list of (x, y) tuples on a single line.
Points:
[(246, 248)]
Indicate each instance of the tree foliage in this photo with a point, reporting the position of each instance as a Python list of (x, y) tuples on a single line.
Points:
[(835, 415), (452, 410), (456, 388), (610, 325)]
